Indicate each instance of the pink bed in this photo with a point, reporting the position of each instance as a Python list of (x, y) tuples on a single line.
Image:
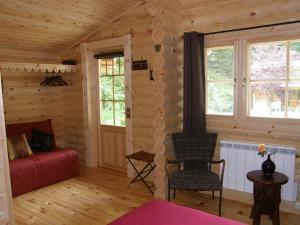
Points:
[(158, 212)]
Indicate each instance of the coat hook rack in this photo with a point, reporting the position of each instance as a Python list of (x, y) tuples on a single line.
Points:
[(54, 80)]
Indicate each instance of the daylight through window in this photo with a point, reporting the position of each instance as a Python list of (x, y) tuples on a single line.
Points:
[(274, 79), (112, 92)]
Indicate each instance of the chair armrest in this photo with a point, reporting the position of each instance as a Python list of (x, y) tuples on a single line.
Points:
[(223, 167), (174, 161)]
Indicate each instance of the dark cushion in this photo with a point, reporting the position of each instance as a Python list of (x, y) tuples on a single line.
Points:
[(41, 141), (21, 128)]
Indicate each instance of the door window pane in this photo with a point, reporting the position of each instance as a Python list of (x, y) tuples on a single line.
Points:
[(107, 113), (102, 67), (106, 87), (119, 92), (120, 113), (112, 91), (116, 66)]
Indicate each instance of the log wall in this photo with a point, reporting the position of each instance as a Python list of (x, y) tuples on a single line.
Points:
[(138, 24), (25, 100)]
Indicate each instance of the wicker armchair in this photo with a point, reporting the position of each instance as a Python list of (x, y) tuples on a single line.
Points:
[(194, 157)]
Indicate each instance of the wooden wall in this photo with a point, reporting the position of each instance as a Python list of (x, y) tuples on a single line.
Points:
[(138, 24), (25, 100)]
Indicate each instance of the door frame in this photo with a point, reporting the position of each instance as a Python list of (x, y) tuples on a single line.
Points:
[(91, 94)]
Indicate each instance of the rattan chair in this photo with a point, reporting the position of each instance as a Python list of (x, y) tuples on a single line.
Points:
[(194, 156)]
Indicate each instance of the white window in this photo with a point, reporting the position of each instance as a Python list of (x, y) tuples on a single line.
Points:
[(220, 80), (274, 79)]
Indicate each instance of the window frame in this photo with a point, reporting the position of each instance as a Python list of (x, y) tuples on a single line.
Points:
[(241, 41), (220, 81), (236, 53), (286, 81)]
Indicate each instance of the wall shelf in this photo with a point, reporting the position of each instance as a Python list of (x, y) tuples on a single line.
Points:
[(37, 67)]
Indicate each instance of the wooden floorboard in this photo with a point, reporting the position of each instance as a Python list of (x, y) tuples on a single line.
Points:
[(98, 196)]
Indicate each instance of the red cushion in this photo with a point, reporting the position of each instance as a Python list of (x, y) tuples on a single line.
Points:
[(42, 169), (26, 128)]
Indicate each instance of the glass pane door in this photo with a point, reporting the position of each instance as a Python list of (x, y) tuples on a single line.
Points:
[(112, 91)]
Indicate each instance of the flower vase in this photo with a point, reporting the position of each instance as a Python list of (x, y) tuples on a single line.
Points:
[(268, 166)]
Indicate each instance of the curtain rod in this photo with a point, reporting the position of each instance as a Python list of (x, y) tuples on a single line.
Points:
[(249, 28)]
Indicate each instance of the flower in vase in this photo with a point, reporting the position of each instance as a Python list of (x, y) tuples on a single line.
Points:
[(261, 150)]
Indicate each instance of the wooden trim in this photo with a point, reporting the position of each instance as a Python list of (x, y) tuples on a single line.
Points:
[(36, 67), (91, 94), (90, 120), (6, 173)]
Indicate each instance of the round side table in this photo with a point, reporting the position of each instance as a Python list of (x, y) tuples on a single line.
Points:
[(267, 195)]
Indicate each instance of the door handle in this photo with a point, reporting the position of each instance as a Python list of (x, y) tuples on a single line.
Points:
[(128, 113)]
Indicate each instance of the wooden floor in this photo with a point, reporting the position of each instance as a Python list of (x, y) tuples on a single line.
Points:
[(98, 196)]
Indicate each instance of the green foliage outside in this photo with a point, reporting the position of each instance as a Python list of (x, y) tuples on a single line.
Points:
[(220, 69), (112, 90)]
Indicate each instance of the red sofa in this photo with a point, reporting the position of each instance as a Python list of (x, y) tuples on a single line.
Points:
[(40, 169)]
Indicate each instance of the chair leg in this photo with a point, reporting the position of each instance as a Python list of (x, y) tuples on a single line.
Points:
[(174, 193), (220, 203), (213, 195)]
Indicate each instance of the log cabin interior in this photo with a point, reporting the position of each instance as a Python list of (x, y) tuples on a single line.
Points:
[(86, 83)]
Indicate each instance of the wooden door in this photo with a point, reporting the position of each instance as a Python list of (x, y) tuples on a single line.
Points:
[(112, 104)]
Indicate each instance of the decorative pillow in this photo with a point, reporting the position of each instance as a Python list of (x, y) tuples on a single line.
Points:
[(20, 146), (41, 141), (10, 149)]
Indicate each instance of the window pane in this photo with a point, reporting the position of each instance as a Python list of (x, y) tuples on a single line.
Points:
[(102, 67), (220, 98), (109, 66), (294, 100), (106, 87), (220, 63), (267, 99), (117, 66), (107, 113), (122, 65), (268, 61), (120, 114), (119, 88), (295, 60)]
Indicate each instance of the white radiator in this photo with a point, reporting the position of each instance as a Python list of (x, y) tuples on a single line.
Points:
[(241, 157)]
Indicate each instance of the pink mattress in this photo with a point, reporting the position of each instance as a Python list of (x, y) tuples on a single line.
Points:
[(158, 212)]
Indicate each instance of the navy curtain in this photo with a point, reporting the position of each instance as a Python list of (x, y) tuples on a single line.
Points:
[(194, 119)]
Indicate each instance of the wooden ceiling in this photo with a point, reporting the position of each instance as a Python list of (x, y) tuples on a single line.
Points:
[(53, 25)]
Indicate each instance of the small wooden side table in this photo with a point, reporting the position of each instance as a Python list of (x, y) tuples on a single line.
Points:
[(147, 158), (267, 195)]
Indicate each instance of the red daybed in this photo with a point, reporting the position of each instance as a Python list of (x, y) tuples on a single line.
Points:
[(43, 168), (158, 212)]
